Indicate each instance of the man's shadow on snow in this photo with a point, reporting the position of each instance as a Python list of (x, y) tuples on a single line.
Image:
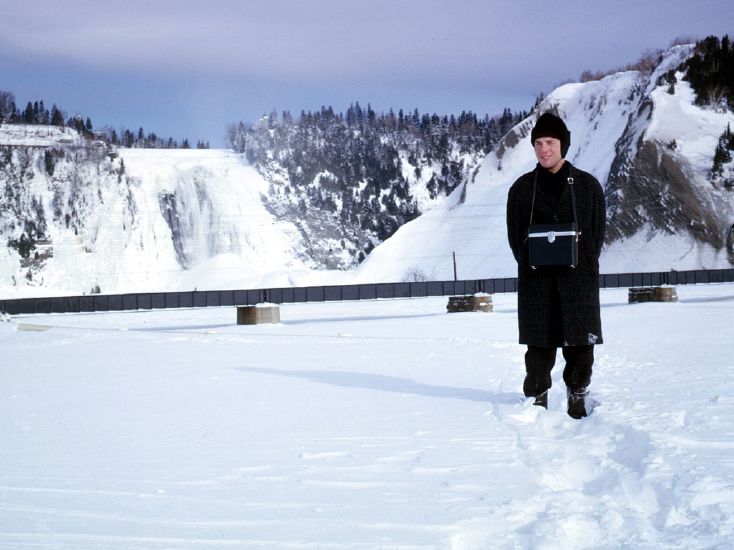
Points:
[(381, 382), (288, 322)]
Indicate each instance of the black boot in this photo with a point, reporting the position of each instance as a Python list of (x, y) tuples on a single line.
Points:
[(538, 364), (541, 400), (577, 403)]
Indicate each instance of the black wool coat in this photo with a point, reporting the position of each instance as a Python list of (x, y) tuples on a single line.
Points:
[(558, 306)]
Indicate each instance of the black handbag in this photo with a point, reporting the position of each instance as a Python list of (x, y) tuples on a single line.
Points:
[(553, 244)]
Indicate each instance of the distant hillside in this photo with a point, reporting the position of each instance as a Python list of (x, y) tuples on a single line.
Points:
[(37, 114), (350, 180)]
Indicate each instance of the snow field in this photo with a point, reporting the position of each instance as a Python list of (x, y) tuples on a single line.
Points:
[(383, 424)]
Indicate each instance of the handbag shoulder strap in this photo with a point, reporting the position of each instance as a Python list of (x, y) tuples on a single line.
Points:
[(532, 204), (573, 195)]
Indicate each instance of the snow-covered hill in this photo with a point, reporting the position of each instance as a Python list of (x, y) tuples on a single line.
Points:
[(652, 151), (350, 180), (83, 219), (78, 216)]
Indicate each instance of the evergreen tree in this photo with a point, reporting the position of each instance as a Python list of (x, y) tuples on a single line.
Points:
[(44, 117), (57, 117), (711, 71), (28, 114), (722, 154)]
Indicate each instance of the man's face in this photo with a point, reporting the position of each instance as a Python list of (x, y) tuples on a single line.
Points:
[(548, 153)]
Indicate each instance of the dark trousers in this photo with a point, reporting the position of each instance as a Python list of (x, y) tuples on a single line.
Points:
[(539, 362)]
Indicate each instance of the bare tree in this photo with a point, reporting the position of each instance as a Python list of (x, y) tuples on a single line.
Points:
[(7, 103)]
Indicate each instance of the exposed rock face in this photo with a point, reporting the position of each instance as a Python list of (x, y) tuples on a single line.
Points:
[(655, 188), (660, 178)]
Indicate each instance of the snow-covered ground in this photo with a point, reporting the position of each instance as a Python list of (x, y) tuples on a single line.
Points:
[(382, 424)]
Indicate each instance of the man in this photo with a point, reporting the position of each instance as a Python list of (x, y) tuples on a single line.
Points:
[(558, 306)]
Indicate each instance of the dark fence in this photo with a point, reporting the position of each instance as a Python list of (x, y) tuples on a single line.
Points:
[(218, 298)]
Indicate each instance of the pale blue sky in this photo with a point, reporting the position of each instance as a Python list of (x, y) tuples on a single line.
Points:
[(185, 69)]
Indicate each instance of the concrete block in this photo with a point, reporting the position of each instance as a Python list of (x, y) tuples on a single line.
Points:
[(477, 302), (258, 314), (652, 294)]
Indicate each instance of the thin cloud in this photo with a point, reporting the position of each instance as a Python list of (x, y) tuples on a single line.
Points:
[(437, 55)]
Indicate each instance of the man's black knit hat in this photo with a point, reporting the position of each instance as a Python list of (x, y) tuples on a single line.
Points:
[(549, 125)]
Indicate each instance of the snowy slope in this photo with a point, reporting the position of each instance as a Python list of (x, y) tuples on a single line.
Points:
[(472, 222), (384, 424), (150, 219), (35, 135), (221, 223), (599, 115)]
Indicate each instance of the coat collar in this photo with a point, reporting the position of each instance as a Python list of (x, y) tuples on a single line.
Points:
[(547, 194)]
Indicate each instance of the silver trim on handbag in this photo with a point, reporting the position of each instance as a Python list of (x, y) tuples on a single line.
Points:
[(551, 235)]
